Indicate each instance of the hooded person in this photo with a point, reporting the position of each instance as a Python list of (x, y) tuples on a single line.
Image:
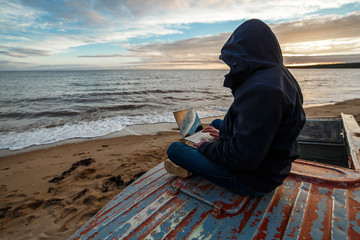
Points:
[(256, 140)]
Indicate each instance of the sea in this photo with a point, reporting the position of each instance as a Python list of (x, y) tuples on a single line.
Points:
[(42, 107)]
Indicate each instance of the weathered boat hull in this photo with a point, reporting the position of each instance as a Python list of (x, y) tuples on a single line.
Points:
[(153, 208), (317, 201)]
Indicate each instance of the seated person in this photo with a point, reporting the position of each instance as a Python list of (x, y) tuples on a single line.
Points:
[(256, 141)]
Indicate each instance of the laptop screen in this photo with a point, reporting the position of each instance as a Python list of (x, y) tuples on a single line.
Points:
[(188, 122)]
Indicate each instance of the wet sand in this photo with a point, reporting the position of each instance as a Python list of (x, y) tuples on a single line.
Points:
[(50, 193)]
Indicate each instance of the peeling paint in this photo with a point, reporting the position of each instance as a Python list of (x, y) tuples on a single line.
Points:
[(301, 208)]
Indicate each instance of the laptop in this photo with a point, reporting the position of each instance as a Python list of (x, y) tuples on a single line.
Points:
[(190, 126)]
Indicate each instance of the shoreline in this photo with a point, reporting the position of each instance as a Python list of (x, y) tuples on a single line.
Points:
[(50, 191), (136, 129), (334, 109), (143, 129), (140, 129)]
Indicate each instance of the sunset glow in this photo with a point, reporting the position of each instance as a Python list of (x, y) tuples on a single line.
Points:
[(79, 34)]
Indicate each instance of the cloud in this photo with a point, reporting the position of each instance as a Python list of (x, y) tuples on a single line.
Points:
[(319, 28), (158, 12), (146, 17), (324, 47), (322, 59), (184, 11), (341, 44), (58, 26), (6, 65), (193, 52), (66, 67), (196, 46), (15, 17), (331, 36), (23, 52), (72, 14), (104, 56), (43, 28)]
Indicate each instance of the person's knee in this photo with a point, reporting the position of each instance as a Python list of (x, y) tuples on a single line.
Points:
[(216, 123), (174, 149)]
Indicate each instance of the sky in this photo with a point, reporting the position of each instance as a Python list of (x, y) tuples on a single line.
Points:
[(168, 34)]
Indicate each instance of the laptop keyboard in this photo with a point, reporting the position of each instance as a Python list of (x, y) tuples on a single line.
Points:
[(198, 136)]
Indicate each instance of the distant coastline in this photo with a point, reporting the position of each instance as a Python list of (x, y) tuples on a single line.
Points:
[(336, 65)]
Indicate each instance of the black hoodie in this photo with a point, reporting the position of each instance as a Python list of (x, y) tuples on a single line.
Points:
[(258, 134)]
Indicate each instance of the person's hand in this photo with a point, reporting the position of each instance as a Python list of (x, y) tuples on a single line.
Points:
[(197, 145), (213, 131)]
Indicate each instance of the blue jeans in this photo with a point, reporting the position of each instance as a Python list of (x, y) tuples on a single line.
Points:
[(191, 159)]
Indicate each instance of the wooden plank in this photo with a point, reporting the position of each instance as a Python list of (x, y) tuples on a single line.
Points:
[(352, 131), (316, 201)]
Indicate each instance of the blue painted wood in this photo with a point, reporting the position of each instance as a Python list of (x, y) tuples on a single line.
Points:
[(297, 214), (316, 201), (155, 211), (340, 218)]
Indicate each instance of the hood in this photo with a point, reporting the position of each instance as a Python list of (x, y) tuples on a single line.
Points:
[(252, 46)]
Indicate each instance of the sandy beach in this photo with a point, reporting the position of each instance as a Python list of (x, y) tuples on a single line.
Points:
[(50, 193)]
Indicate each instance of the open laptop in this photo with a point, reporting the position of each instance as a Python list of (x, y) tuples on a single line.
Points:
[(190, 126)]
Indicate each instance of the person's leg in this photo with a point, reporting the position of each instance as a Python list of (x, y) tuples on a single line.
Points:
[(192, 160), (179, 171), (216, 123)]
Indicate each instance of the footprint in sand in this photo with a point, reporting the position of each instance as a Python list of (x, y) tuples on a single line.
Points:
[(112, 183), (103, 199), (4, 212), (89, 200), (83, 162), (136, 176), (36, 204), (80, 194), (54, 202), (66, 212), (25, 208), (86, 216), (86, 173)]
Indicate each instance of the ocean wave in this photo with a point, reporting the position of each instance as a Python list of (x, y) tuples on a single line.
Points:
[(29, 115), (40, 136), (91, 129), (123, 107), (146, 92)]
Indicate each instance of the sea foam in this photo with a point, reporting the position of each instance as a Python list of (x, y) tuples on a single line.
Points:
[(40, 136), (92, 129)]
